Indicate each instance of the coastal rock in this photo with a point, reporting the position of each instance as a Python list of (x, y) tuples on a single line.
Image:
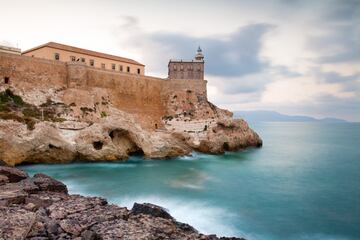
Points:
[(13, 174), (50, 213), (150, 209), (77, 127), (46, 183), (15, 222)]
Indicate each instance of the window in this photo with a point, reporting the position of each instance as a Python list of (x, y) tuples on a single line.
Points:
[(181, 67), (73, 58), (6, 80), (128, 69), (138, 70), (83, 60), (113, 66), (103, 65), (175, 68), (57, 56), (92, 62), (120, 68)]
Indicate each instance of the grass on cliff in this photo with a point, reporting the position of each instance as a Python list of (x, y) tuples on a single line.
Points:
[(13, 107)]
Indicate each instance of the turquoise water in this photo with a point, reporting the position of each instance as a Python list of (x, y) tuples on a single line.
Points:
[(304, 183)]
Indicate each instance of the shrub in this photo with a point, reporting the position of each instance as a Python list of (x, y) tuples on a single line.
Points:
[(86, 109), (103, 114), (31, 112), (30, 122), (9, 96)]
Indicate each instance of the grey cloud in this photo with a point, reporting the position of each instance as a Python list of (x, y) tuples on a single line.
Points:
[(341, 20), (235, 54), (234, 67)]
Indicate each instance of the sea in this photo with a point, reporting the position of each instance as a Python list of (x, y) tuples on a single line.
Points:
[(304, 183)]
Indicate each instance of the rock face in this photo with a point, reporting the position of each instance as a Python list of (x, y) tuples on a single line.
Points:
[(55, 131), (40, 208)]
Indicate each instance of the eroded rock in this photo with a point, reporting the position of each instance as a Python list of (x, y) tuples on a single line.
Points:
[(46, 183), (150, 209), (48, 212), (13, 174), (83, 132)]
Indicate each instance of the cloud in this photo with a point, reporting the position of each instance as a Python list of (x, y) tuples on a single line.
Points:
[(303, 64), (235, 54), (7, 43)]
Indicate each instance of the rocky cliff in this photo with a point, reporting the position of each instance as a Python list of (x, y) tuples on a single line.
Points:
[(65, 124), (40, 208)]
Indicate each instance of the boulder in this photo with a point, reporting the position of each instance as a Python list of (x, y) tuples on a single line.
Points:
[(88, 235), (13, 174), (150, 209), (46, 183), (71, 226), (12, 196)]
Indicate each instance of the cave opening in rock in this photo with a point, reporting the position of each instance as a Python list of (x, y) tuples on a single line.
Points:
[(137, 153), (98, 145), (52, 146), (111, 134), (124, 142), (226, 146)]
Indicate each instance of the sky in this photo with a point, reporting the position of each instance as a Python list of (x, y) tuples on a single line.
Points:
[(297, 57)]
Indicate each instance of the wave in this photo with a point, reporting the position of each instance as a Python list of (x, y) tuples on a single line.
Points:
[(204, 217)]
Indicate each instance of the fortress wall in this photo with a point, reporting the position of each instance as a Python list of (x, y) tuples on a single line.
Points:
[(27, 72), (195, 85), (144, 96), (132, 93)]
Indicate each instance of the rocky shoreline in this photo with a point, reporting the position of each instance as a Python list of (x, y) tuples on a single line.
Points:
[(53, 131), (40, 208)]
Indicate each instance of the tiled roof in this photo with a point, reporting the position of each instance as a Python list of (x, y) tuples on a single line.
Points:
[(83, 51)]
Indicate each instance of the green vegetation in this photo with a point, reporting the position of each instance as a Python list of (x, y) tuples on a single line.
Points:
[(13, 107), (103, 114), (167, 117), (8, 97), (86, 110)]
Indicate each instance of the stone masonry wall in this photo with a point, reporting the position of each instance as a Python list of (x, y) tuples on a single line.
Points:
[(143, 96), (30, 72)]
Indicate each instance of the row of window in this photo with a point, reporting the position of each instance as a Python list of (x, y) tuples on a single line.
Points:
[(92, 63), (191, 68)]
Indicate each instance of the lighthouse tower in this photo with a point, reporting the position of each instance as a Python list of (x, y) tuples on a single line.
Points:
[(187, 69)]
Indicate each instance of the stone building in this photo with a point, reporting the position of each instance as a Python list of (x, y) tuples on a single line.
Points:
[(65, 53), (187, 69)]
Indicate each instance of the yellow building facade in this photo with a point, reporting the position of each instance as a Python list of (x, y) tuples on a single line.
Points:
[(66, 53)]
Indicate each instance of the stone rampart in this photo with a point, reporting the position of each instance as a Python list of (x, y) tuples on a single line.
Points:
[(22, 71), (144, 96)]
